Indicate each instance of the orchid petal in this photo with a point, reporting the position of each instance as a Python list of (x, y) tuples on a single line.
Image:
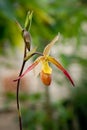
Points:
[(49, 46), (29, 68), (55, 62)]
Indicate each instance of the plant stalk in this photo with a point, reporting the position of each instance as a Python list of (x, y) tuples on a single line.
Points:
[(17, 94)]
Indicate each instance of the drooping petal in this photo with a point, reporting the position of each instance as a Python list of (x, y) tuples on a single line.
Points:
[(29, 68), (49, 46), (55, 62)]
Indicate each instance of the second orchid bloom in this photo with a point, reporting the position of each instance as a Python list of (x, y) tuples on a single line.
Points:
[(45, 70)]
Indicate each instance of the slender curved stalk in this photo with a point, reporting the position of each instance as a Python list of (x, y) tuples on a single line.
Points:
[(17, 94), (27, 41)]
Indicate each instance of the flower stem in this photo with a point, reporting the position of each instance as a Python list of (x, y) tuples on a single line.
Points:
[(27, 40), (48, 110), (17, 94)]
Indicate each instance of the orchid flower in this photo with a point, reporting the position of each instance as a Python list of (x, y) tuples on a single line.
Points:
[(45, 70)]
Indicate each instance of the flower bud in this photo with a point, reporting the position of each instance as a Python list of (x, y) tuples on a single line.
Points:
[(46, 78), (27, 38)]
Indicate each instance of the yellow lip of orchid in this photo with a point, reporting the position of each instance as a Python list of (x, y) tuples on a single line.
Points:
[(46, 68), (45, 59)]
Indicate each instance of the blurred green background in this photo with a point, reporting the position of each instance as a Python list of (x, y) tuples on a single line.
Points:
[(40, 110)]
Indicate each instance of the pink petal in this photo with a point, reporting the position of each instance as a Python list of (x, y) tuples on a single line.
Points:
[(28, 69), (55, 62)]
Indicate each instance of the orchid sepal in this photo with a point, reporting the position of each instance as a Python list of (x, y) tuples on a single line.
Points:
[(49, 46)]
